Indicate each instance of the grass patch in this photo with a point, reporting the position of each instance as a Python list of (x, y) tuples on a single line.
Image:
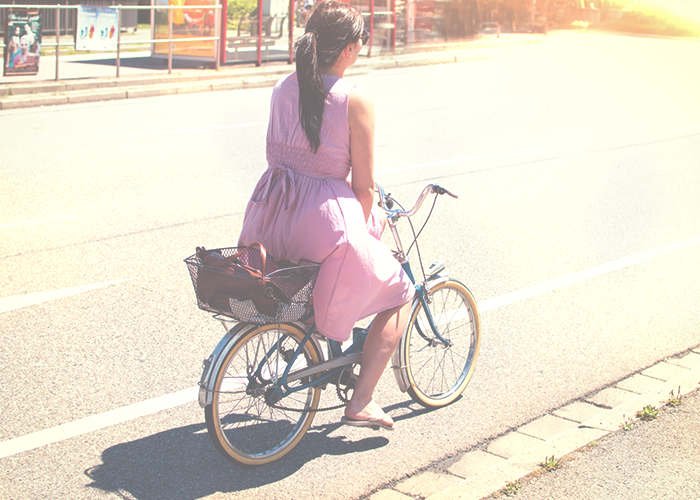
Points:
[(674, 399), (550, 463), (627, 424), (511, 488), (647, 413)]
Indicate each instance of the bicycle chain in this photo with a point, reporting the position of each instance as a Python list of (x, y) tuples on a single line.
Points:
[(337, 407), (338, 392)]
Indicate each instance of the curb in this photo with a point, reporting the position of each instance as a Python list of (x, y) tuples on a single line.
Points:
[(481, 472), (48, 93)]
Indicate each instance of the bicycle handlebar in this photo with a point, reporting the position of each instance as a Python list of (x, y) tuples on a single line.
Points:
[(386, 203)]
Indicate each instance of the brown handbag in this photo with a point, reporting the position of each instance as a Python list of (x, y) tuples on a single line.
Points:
[(220, 278)]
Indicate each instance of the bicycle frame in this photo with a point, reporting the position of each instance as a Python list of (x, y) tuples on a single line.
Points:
[(339, 359)]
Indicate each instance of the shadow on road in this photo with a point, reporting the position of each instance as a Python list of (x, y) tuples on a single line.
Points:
[(145, 62), (182, 463)]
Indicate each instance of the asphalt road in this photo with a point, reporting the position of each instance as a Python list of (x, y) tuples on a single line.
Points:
[(578, 158)]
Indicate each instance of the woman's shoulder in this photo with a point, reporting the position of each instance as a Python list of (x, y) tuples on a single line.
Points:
[(286, 87), (359, 101), (336, 85), (287, 80)]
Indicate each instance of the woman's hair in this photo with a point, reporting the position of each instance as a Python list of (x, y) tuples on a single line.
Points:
[(331, 26)]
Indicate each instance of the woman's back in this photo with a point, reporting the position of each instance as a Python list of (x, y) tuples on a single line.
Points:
[(287, 143)]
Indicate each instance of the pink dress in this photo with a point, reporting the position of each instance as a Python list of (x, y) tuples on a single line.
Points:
[(304, 208)]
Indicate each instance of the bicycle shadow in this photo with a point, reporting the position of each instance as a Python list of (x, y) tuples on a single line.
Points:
[(182, 463)]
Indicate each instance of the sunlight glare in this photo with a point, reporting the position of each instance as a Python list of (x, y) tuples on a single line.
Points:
[(689, 9)]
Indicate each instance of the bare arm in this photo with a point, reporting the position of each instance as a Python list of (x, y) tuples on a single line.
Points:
[(361, 119)]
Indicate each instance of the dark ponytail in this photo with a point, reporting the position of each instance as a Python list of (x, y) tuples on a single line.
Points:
[(330, 28)]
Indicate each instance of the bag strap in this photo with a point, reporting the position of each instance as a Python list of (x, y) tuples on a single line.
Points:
[(227, 260)]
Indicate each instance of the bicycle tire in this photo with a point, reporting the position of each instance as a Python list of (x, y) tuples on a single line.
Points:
[(438, 374), (240, 423)]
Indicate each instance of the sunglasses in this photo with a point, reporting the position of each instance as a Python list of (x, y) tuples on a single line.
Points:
[(364, 37)]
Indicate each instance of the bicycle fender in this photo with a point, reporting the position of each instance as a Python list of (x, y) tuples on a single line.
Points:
[(399, 372), (401, 378), (212, 364), (436, 280)]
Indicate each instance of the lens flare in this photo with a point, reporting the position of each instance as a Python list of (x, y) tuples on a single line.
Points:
[(689, 9)]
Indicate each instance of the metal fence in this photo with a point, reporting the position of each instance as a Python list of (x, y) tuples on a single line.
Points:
[(67, 23), (57, 12)]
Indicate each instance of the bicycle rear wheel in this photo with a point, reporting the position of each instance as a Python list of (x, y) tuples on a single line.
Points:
[(242, 425), (437, 373)]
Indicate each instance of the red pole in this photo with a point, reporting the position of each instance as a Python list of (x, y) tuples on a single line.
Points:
[(260, 24), (393, 35), (223, 31), (58, 35), (291, 32), (371, 27)]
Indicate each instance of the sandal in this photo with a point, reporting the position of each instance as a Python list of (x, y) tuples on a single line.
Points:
[(374, 423)]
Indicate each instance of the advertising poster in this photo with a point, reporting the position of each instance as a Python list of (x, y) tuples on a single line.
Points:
[(187, 23), (22, 43), (97, 28)]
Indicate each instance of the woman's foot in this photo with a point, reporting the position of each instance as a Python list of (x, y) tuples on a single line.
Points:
[(372, 414)]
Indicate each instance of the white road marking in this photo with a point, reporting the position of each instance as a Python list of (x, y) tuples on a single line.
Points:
[(685, 129), (31, 299), (34, 222), (199, 129), (593, 272), (114, 417), (457, 160), (96, 422)]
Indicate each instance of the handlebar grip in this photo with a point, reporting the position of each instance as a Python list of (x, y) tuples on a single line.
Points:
[(441, 190)]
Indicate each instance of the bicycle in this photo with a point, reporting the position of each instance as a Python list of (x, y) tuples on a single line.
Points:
[(261, 386)]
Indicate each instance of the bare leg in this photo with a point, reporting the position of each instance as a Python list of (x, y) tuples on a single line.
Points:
[(382, 339)]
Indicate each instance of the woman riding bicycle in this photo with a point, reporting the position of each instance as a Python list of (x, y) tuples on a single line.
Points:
[(315, 200)]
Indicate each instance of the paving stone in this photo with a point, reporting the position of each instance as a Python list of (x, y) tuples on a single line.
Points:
[(34, 101), (151, 90), (512, 444), (474, 462), (96, 95), (609, 420), (611, 397), (664, 371), (389, 495), (426, 483), (192, 87), (690, 360), (484, 484), (547, 427), (639, 383), (578, 411)]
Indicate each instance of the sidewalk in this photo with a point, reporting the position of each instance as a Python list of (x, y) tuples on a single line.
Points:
[(600, 460), (92, 77)]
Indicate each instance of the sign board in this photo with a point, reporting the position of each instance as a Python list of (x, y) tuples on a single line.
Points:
[(97, 28), (22, 43), (197, 21)]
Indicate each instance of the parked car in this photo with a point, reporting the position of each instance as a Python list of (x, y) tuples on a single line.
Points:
[(490, 28)]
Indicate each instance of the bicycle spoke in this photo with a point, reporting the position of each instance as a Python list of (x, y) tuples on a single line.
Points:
[(438, 371)]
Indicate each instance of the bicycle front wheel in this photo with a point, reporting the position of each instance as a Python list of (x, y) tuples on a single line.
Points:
[(437, 373), (242, 425)]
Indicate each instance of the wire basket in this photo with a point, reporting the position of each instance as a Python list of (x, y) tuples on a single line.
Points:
[(281, 295)]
